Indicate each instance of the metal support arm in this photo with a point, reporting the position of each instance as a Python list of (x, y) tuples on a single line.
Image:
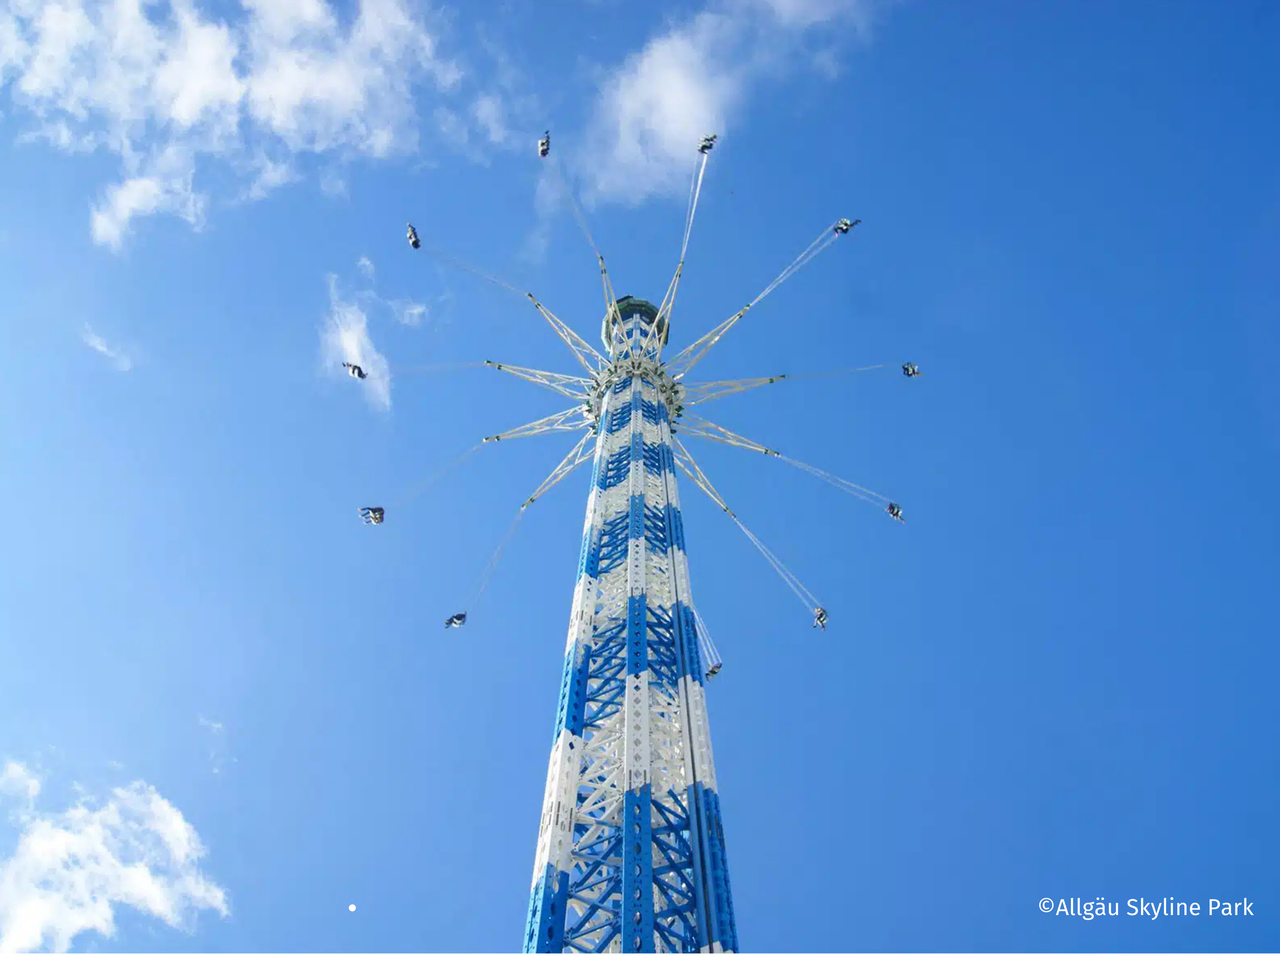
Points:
[(559, 382), (572, 419)]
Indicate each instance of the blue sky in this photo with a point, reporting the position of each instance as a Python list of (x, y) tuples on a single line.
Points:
[(235, 705)]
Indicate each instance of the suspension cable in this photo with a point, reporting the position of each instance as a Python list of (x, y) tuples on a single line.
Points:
[(835, 373), (806, 596), (711, 660), (689, 357), (437, 368), (573, 203), (475, 271), (435, 477), (493, 560), (839, 482)]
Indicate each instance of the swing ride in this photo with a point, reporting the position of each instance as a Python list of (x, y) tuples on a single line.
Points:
[(630, 854)]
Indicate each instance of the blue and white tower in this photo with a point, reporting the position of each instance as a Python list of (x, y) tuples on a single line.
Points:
[(631, 849)]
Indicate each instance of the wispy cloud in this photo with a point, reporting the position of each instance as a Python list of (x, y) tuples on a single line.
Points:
[(118, 357), (162, 86), (71, 870), (366, 267), (694, 80), (219, 754), (17, 781), (488, 112), (408, 312), (345, 339)]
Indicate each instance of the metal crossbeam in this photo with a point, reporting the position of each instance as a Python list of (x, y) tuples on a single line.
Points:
[(714, 389), (687, 358), (684, 460), (587, 355), (695, 426), (806, 596), (572, 419), (559, 382), (610, 301), (573, 459)]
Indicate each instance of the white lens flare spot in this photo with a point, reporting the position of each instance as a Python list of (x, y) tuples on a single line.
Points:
[(351, 907)]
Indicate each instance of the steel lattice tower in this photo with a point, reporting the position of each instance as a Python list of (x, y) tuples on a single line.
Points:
[(631, 852)]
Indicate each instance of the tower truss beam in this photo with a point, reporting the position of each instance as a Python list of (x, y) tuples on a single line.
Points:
[(688, 358), (570, 386), (572, 419), (695, 393), (587, 355)]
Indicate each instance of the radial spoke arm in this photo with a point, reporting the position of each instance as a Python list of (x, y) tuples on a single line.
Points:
[(575, 387), (610, 301), (695, 426), (703, 391), (572, 419), (687, 358), (714, 389), (572, 461), (686, 463), (586, 354)]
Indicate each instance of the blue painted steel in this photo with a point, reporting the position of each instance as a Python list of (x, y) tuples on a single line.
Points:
[(544, 932), (573, 692), (648, 869), (616, 470), (723, 927), (585, 555), (675, 527), (637, 872), (655, 529), (619, 418), (653, 458)]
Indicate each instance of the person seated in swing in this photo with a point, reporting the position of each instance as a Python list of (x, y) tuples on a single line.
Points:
[(355, 370), (820, 618), (413, 237), (844, 225), (457, 620), (544, 145), (894, 511), (374, 515), (910, 370)]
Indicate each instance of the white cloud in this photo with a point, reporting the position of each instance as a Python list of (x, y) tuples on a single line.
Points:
[(219, 756), (366, 267), (488, 112), (71, 870), (692, 80), (333, 184), (408, 312), (345, 339), (162, 86), (118, 357), (268, 175), (17, 781)]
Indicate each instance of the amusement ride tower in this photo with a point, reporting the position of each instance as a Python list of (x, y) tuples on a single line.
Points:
[(631, 851)]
